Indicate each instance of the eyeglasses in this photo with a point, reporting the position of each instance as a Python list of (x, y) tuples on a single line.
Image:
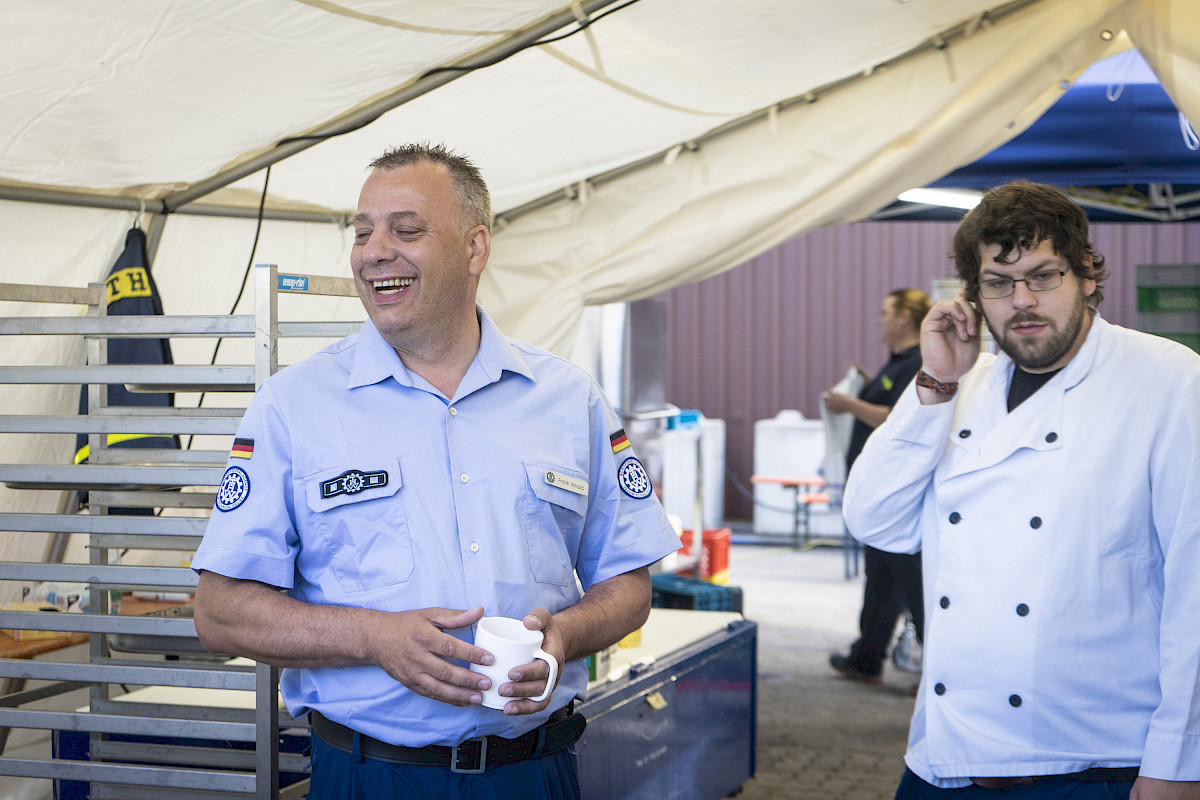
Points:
[(996, 288)]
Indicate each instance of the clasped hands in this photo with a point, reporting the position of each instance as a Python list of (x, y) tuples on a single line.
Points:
[(415, 649)]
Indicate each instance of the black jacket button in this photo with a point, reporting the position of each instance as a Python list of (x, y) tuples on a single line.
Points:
[(955, 517), (1035, 523), (944, 602), (1015, 701), (964, 433), (1051, 437), (1022, 610)]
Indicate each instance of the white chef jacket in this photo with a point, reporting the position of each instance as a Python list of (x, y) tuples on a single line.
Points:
[(357, 483), (1061, 555)]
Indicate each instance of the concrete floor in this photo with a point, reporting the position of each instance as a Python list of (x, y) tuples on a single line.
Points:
[(819, 734)]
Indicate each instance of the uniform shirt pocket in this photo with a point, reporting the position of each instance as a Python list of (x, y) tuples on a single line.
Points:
[(555, 507), (360, 521)]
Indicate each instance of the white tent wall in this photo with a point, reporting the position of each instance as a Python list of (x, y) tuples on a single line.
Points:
[(832, 161), (1167, 34)]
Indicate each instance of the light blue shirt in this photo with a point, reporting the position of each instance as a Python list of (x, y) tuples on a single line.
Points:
[(367, 487)]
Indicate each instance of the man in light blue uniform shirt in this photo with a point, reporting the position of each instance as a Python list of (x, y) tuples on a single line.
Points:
[(403, 483)]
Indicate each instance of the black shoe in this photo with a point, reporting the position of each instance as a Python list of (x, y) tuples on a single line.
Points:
[(843, 665)]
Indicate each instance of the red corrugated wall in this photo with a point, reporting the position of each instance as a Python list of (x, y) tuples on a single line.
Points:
[(777, 331)]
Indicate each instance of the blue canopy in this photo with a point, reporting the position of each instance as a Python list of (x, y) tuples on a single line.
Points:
[(1114, 140)]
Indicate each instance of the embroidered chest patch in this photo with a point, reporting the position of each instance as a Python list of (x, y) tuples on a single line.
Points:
[(353, 481), (634, 481)]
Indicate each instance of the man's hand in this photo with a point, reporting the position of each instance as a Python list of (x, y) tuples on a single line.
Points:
[(261, 622), (950, 340), (413, 648), (839, 403), (529, 680), (1155, 789), (607, 611)]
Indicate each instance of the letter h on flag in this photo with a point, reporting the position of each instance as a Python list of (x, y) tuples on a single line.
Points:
[(131, 291)]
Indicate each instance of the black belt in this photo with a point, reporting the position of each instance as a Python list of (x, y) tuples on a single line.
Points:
[(559, 732), (1093, 775)]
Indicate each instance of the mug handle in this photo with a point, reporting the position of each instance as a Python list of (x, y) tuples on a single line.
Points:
[(550, 679)]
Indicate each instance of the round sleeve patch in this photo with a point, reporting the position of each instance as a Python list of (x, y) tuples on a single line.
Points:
[(633, 479), (235, 488)]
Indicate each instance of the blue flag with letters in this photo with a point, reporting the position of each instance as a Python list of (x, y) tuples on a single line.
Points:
[(131, 291)]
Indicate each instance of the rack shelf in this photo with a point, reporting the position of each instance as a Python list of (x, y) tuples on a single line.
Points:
[(176, 487)]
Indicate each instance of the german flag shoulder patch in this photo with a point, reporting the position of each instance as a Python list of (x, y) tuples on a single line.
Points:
[(619, 441), (242, 448)]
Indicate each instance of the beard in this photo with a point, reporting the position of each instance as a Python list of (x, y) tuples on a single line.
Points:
[(1040, 352)]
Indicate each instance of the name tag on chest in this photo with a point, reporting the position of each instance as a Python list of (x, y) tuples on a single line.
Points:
[(566, 482)]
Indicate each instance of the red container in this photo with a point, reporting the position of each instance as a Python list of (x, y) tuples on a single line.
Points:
[(714, 557)]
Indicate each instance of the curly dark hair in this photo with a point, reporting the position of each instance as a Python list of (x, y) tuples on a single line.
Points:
[(472, 190), (1020, 216)]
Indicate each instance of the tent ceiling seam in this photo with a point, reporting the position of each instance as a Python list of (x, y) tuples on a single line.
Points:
[(629, 90), (582, 18), (387, 22), (370, 111), (939, 40)]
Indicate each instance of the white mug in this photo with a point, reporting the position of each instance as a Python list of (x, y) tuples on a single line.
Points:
[(511, 645)]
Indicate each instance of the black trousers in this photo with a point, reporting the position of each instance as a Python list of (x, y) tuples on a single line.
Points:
[(893, 586)]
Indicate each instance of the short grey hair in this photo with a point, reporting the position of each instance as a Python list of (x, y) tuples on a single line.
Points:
[(472, 190)]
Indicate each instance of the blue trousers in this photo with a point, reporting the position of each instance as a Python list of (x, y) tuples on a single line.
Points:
[(337, 775), (913, 788)]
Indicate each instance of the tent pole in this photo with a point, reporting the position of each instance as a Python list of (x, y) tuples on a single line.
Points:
[(371, 111), (61, 197)]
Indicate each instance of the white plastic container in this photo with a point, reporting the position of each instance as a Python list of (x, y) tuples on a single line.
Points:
[(679, 472)]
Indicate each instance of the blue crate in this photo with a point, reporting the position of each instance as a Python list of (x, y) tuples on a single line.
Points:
[(673, 591)]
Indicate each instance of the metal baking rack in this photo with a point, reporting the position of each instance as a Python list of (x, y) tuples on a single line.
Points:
[(196, 751)]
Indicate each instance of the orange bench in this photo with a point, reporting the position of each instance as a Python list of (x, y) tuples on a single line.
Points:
[(805, 492)]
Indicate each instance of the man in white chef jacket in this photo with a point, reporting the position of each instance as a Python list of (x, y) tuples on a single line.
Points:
[(1054, 490)]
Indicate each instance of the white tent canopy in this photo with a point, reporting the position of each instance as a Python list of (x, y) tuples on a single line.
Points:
[(664, 142), (658, 142)]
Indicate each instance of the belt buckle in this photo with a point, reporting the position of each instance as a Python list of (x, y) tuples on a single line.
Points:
[(473, 751)]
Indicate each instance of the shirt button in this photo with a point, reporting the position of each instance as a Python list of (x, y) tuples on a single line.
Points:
[(453, 411), (1035, 523), (944, 602), (1022, 610), (1051, 437), (1015, 700), (964, 433), (939, 689), (474, 547), (463, 477), (955, 517)]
